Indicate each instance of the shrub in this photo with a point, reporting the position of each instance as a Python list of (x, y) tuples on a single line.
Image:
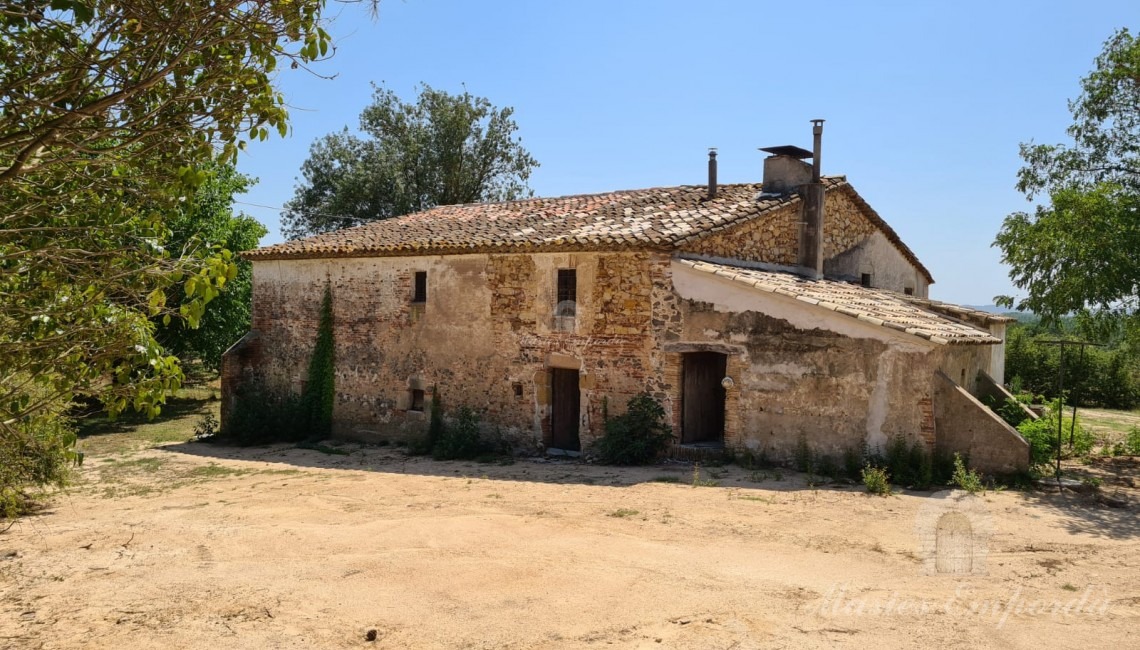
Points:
[(1009, 409), (460, 440), (827, 467), (876, 480), (898, 460), (638, 436), (1041, 434), (853, 462), (921, 464), (967, 479), (36, 452), (206, 429), (802, 457), (1132, 443), (261, 416)]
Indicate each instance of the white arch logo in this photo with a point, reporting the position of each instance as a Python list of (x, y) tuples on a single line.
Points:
[(953, 530)]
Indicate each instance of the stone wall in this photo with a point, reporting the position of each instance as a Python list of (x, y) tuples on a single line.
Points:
[(966, 426), (486, 337), (772, 238), (852, 245)]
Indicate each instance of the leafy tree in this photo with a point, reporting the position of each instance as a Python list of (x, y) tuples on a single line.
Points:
[(1078, 252), (110, 109), (207, 221), (444, 149)]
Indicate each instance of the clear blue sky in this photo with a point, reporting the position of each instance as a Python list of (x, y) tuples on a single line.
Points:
[(925, 102)]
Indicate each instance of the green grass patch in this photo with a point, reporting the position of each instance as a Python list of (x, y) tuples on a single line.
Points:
[(622, 513), (213, 470)]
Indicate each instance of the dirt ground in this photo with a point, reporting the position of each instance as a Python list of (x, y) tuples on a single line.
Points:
[(188, 545)]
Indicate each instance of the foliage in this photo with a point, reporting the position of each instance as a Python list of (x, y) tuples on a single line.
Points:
[(207, 428), (460, 439), (877, 480), (319, 395), (435, 424), (1009, 409), (1078, 251), (853, 462), (1041, 434), (261, 416), (802, 457), (912, 464), (1132, 442), (967, 479), (637, 436), (207, 221), (1101, 377), (111, 110), (36, 452), (444, 149)]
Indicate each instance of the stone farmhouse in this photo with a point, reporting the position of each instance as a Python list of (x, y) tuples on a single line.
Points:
[(757, 314)]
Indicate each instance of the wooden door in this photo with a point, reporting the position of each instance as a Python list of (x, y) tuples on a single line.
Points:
[(702, 398), (565, 403)]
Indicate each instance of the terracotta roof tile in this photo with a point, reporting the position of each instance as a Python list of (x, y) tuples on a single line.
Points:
[(657, 218), (924, 318)]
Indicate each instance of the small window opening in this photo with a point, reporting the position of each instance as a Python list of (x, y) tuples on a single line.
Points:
[(865, 280), (417, 400), (963, 382), (517, 388), (567, 292), (908, 291), (419, 293)]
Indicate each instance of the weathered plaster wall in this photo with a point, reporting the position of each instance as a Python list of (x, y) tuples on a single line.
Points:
[(880, 258), (962, 363), (966, 426), (808, 372), (997, 353), (486, 337)]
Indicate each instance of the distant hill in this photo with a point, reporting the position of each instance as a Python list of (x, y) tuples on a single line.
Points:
[(1021, 316)]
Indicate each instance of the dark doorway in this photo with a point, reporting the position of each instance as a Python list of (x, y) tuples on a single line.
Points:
[(565, 402), (702, 398)]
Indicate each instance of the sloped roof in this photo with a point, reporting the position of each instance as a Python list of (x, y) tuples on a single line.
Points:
[(976, 316), (660, 218), (874, 306)]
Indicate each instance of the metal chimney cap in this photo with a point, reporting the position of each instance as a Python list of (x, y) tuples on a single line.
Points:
[(788, 150)]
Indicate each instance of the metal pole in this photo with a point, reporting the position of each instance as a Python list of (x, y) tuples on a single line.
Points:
[(1073, 422), (1060, 410)]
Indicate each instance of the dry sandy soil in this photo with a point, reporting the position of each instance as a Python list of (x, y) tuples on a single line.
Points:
[(189, 545)]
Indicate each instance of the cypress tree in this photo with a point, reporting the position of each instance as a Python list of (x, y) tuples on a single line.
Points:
[(320, 390)]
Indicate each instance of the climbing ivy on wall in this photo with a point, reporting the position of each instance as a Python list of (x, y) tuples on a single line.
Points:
[(320, 389)]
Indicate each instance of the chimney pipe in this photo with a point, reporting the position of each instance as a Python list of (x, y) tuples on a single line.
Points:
[(712, 173), (811, 233), (816, 150)]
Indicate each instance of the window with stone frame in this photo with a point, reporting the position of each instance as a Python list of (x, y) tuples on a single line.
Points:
[(417, 403)]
